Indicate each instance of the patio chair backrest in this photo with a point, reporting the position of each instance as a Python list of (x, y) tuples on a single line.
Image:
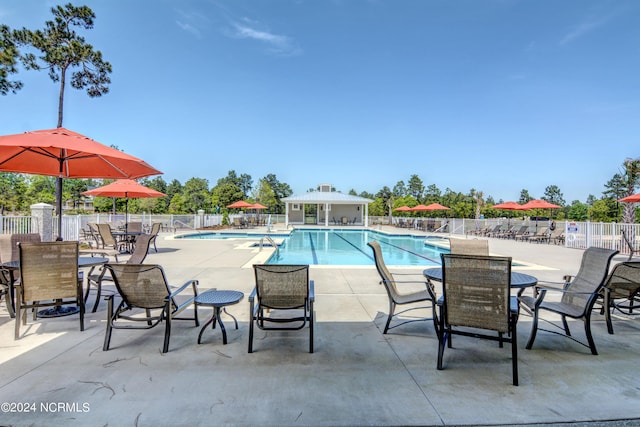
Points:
[(387, 278), (107, 237), (590, 279), (140, 285), (282, 286), (139, 254), (135, 227), (48, 270), (9, 250), (624, 280), (476, 291), (469, 247)]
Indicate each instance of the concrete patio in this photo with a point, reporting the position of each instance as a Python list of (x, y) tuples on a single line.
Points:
[(356, 377)]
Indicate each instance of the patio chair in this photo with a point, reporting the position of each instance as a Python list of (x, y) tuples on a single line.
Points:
[(147, 300), (9, 252), (108, 240), (622, 290), (578, 296), (469, 247), (397, 297), (632, 243), (476, 298), (48, 277), (155, 230), (282, 294), (137, 257)]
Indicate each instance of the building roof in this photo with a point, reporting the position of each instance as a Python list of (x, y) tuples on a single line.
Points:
[(334, 197)]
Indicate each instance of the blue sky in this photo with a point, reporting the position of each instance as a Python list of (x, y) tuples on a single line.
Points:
[(495, 95)]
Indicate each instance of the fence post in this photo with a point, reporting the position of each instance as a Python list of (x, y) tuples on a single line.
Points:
[(42, 221)]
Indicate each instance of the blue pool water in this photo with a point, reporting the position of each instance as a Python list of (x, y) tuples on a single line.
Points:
[(349, 247), (343, 247)]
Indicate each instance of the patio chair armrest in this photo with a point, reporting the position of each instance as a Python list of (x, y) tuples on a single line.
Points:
[(312, 292), (253, 294), (193, 282)]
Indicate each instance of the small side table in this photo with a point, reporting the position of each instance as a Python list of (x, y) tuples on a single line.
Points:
[(218, 300)]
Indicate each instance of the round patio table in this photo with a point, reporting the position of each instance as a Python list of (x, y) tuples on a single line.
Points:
[(519, 281), (218, 300)]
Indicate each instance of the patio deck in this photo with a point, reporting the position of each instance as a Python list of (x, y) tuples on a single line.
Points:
[(357, 376)]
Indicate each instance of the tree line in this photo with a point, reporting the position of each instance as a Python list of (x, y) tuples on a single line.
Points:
[(19, 191)]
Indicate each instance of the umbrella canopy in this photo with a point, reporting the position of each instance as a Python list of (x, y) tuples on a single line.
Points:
[(436, 207), (127, 188), (539, 204), (124, 188), (631, 199), (241, 204), (257, 206), (418, 208), (508, 206), (66, 154), (404, 208)]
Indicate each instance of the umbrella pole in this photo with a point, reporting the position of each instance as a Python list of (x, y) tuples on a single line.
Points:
[(59, 207)]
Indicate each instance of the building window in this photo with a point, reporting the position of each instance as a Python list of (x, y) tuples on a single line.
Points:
[(295, 207)]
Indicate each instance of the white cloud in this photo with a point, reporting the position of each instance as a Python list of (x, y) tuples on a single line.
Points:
[(276, 44), (585, 27), (189, 28)]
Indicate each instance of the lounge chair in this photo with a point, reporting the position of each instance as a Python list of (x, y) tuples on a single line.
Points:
[(147, 300), (282, 294), (475, 298), (397, 297), (622, 291), (521, 233), (578, 296), (541, 235), (48, 278)]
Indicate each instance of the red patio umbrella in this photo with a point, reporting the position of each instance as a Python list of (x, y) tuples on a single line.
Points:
[(508, 206), (63, 153), (257, 206), (127, 188), (418, 208), (404, 208), (436, 207), (241, 204), (539, 204), (631, 199)]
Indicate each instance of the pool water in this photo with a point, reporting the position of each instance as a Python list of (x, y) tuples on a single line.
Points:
[(349, 247)]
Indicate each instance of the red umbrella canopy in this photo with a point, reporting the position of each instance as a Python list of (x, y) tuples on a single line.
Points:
[(63, 153), (539, 204), (419, 208), (124, 188), (436, 207), (257, 206), (631, 199), (508, 206), (240, 205), (404, 208)]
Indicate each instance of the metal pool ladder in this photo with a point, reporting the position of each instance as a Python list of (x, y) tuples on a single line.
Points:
[(273, 244)]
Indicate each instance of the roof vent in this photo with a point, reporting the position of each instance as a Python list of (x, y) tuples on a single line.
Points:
[(325, 188)]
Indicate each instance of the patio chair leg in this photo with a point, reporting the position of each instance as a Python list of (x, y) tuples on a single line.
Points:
[(311, 328), (514, 351), (587, 330), (534, 330), (566, 326), (167, 328), (392, 308), (107, 334)]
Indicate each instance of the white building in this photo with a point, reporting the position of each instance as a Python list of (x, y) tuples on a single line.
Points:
[(326, 207)]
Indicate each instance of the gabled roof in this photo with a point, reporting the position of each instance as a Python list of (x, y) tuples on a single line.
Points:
[(334, 197)]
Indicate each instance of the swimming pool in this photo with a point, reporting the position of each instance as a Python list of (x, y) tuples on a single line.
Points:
[(328, 246), (349, 247)]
